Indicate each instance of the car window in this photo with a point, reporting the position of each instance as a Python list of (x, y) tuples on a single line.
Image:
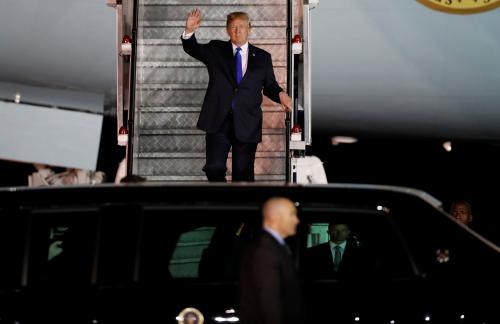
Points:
[(61, 247), (12, 247), (201, 245), (369, 245), (188, 251), (117, 245), (441, 246)]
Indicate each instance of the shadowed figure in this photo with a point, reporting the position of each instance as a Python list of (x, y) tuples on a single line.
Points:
[(343, 256), (71, 266), (270, 291)]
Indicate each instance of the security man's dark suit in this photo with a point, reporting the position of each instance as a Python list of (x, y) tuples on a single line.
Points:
[(270, 291), (230, 109)]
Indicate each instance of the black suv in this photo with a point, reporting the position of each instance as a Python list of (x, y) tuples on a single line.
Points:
[(144, 253)]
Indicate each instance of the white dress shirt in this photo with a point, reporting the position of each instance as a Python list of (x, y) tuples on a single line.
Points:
[(342, 249)]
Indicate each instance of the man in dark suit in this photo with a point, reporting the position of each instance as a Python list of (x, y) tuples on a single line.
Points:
[(231, 114), (341, 257), (270, 292)]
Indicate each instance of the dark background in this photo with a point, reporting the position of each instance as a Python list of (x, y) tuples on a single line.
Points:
[(468, 172)]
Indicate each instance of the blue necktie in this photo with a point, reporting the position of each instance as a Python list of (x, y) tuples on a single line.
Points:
[(239, 67)]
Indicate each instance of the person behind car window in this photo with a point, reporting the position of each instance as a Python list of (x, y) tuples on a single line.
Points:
[(342, 256), (462, 211), (68, 267), (221, 259), (270, 292)]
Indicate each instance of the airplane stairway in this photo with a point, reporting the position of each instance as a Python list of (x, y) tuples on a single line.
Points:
[(170, 86)]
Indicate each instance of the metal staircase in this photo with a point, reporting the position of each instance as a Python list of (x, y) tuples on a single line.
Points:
[(170, 86)]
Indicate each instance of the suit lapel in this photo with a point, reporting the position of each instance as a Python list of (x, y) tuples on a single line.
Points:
[(326, 254), (284, 249), (347, 255), (230, 61), (251, 58)]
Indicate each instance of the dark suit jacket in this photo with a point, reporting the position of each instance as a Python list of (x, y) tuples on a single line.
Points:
[(270, 292), (319, 262), (222, 89)]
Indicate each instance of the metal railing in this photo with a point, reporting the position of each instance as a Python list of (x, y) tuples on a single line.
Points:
[(289, 85), (298, 147), (131, 111), (125, 71), (308, 6)]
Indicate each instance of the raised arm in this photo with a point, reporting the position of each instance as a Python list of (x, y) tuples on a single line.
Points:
[(189, 43), (193, 21)]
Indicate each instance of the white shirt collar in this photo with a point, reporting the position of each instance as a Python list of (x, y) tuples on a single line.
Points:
[(244, 48), (275, 234), (342, 245)]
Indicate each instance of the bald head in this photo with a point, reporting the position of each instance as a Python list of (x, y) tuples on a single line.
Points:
[(280, 215)]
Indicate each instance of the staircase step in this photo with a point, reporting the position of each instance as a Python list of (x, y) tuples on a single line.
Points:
[(193, 166), (265, 131), (208, 32), (179, 109), (161, 22), (212, 2), (163, 51), (210, 11), (158, 95), (186, 72), (195, 143), (196, 109), (171, 143), (188, 64), (267, 178), (176, 178), (196, 155), (177, 41), (168, 120), (177, 86), (188, 120)]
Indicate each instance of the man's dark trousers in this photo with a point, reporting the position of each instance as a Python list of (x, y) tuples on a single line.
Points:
[(218, 145)]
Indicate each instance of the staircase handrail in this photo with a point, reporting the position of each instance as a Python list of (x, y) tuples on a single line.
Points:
[(132, 87)]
